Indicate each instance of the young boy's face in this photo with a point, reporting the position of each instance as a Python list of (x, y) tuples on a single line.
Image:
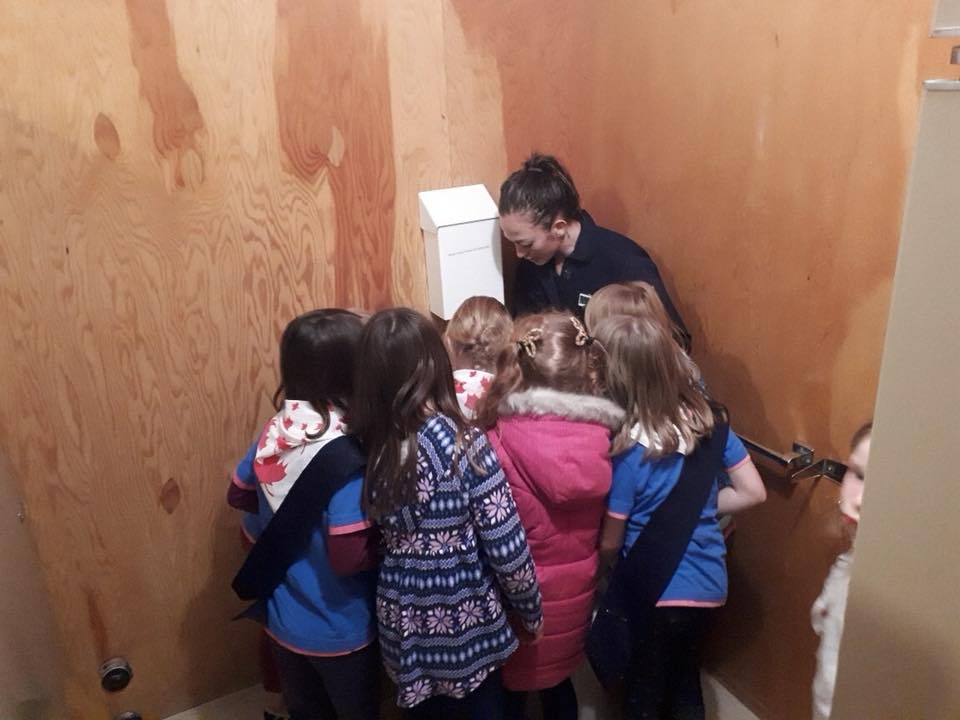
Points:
[(851, 489)]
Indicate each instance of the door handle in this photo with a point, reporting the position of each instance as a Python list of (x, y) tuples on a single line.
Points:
[(798, 464)]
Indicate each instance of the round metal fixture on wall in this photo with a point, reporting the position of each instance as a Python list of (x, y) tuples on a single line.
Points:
[(115, 674)]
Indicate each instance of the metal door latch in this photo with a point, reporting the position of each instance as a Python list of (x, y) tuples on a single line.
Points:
[(799, 463)]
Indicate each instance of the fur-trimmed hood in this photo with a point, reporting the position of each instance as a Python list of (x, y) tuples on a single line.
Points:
[(569, 406), (556, 446)]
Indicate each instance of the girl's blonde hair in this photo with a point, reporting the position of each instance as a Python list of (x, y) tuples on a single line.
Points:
[(655, 382), (635, 298), (477, 333), (551, 350)]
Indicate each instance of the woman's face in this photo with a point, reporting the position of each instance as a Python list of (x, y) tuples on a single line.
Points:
[(532, 242), (851, 489)]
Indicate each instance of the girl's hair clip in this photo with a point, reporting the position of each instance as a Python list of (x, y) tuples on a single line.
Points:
[(528, 343), (582, 337)]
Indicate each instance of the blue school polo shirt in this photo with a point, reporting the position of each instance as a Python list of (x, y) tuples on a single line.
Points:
[(640, 485), (314, 611)]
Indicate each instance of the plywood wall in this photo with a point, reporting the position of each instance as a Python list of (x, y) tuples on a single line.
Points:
[(30, 667), (179, 178)]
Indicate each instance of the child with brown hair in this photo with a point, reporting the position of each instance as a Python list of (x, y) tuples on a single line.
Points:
[(475, 336), (661, 523), (311, 566), (550, 426), (635, 298), (455, 556)]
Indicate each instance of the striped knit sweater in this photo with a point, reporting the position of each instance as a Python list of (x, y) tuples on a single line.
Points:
[(452, 561)]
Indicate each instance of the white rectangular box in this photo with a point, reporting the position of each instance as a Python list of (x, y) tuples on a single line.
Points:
[(461, 238)]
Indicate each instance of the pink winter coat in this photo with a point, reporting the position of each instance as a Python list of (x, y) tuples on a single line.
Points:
[(554, 448)]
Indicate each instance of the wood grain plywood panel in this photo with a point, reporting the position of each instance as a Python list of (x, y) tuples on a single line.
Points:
[(520, 78), (333, 98), (474, 104), (544, 58), (418, 97), (772, 139), (31, 673), (155, 238)]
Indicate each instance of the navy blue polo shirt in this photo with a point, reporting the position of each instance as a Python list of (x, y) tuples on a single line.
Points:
[(600, 257)]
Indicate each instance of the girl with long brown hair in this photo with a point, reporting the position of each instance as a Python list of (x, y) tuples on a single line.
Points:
[(550, 426), (668, 416), (454, 550)]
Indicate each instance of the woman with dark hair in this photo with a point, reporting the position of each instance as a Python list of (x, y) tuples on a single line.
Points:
[(564, 255)]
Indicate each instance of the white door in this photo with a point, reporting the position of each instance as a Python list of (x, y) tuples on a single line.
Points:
[(900, 654)]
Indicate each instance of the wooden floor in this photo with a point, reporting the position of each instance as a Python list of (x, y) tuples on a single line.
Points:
[(248, 704)]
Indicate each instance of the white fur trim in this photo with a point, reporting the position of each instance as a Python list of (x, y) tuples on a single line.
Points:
[(572, 406)]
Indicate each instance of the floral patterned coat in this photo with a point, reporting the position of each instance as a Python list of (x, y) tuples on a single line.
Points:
[(453, 561)]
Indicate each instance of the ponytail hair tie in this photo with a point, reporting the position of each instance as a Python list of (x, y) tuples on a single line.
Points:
[(528, 343), (582, 337)]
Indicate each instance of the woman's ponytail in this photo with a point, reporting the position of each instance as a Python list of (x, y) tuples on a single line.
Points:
[(543, 188)]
